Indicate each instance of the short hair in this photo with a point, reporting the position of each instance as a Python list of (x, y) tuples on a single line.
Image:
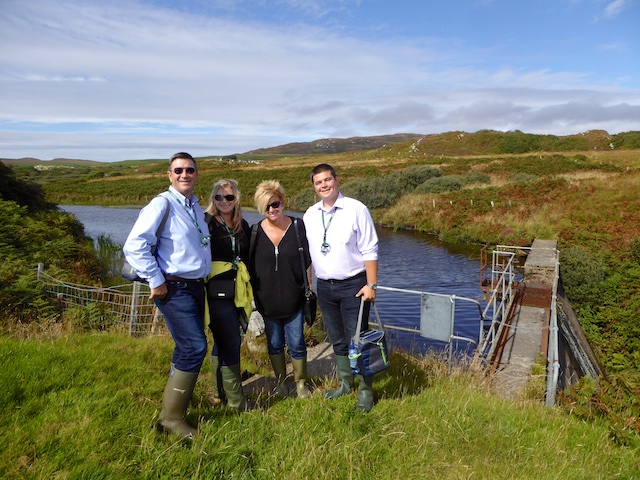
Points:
[(212, 210), (323, 167), (183, 155), (264, 191)]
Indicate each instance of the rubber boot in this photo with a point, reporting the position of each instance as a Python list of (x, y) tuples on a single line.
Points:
[(232, 384), (216, 380), (365, 393), (345, 376), (175, 401), (279, 364), (300, 377)]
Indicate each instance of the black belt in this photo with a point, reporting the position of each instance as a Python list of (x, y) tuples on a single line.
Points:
[(357, 275), (175, 278)]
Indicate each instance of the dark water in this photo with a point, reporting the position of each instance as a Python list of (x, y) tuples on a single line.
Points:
[(407, 260)]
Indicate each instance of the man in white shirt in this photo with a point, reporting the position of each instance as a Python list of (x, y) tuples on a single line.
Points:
[(344, 251), (176, 273)]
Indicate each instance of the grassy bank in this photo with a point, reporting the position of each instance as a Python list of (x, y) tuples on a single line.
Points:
[(81, 406)]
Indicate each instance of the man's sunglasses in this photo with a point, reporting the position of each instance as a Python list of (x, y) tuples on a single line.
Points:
[(275, 204), (179, 170), (228, 198)]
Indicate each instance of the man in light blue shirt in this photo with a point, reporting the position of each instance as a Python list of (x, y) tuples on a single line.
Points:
[(176, 273)]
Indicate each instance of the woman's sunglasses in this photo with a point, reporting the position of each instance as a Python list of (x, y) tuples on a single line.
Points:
[(228, 198), (179, 170), (275, 204)]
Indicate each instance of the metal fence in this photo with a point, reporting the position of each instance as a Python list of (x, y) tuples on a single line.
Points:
[(127, 305)]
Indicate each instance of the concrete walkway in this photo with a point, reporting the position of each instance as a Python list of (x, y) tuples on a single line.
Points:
[(528, 332)]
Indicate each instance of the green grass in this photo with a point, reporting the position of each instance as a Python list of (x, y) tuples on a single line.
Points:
[(82, 406)]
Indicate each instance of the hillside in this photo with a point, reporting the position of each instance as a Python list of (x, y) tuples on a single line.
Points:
[(337, 145)]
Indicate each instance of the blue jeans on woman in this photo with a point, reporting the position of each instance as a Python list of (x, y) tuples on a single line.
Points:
[(225, 328), (290, 331), (183, 311), (340, 307)]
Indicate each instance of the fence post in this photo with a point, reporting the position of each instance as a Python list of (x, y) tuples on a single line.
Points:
[(40, 271), (135, 291)]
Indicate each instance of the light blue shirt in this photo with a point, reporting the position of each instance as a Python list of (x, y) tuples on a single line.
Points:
[(183, 247)]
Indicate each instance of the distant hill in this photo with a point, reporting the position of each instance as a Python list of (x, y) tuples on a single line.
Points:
[(337, 145), (55, 161), (482, 142)]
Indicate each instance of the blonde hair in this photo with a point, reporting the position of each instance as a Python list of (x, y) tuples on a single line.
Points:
[(236, 218), (264, 191)]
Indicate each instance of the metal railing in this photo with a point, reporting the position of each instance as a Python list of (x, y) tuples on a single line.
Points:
[(437, 317), (553, 356), (501, 296), (127, 305)]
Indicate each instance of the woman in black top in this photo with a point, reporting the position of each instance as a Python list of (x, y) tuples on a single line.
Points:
[(278, 284), (229, 252)]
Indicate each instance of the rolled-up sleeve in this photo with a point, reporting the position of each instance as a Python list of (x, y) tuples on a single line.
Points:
[(367, 236)]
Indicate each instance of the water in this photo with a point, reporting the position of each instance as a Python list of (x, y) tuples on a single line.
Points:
[(407, 260)]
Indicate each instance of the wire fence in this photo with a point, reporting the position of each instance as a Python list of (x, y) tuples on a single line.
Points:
[(126, 305)]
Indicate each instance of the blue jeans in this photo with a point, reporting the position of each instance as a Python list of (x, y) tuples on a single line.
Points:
[(225, 328), (292, 330), (183, 311), (340, 307)]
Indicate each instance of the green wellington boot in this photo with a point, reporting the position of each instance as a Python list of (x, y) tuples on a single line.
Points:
[(345, 376), (300, 377), (365, 393), (175, 401), (279, 364), (216, 380), (232, 384)]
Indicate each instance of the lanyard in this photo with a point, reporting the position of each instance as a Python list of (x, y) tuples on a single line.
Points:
[(204, 239), (325, 247), (236, 257)]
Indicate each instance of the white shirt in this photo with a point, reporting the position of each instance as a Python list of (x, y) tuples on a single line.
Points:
[(181, 250), (350, 233)]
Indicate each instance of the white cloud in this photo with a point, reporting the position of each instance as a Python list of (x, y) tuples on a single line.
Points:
[(614, 8)]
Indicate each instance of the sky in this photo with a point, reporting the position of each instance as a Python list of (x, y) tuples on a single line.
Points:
[(136, 79)]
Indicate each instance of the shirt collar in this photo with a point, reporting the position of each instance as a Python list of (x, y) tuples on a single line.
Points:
[(187, 202), (339, 203)]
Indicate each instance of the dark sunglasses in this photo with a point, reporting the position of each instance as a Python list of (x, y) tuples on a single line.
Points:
[(228, 198), (179, 170), (275, 204)]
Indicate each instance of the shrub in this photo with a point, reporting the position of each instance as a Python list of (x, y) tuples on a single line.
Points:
[(444, 184), (475, 177), (415, 175), (303, 200), (582, 276), (524, 178), (374, 192)]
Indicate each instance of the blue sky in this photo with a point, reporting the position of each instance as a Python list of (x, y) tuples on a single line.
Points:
[(134, 79)]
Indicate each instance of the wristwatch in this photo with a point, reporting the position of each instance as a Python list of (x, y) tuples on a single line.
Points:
[(372, 286)]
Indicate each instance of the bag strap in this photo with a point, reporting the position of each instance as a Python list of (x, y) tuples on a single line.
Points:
[(164, 220), (252, 240), (300, 250), (356, 337)]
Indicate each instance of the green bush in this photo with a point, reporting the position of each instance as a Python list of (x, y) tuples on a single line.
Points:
[(411, 177), (374, 192), (524, 178), (444, 184), (475, 177), (582, 276)]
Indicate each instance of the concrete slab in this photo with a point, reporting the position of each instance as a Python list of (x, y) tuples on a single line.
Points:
[(521, 350)]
